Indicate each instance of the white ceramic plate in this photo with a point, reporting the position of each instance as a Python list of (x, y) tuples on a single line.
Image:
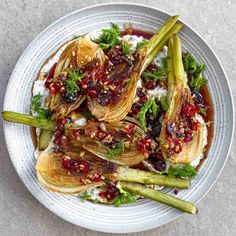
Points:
[(144, 214)]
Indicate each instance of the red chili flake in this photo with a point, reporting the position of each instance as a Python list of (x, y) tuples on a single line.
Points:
[(63, 90), (135, 109), (188, 138), (143, 99), (176, 143), (47, 84), (129, 129), (57, 86), (63, 121), (194, 126), (63, 141), (92, 93), (145, 146), (76, 134), (115, 55), (58, 134), (76, 165), (152, 67), (60, 138), (52, 88), (51, 72), (101, 135), (141, 92), (150, 85), (95, 177), (110, 192), (189, 110)]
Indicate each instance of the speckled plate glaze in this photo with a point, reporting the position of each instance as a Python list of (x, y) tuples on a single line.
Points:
[(144, 214)]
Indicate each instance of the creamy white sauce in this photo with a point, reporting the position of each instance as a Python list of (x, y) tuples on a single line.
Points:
[(157, 92), (133, 40), (94, 192), (49, 149), (161, 54), (39, 89), (94, 35), (36, 153), (81, 121)]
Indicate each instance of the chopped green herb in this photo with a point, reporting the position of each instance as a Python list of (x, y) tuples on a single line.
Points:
[(164, 62), (160, 73), (84, 196), (125, 47), (36, 106), (142, 43), (75, 36), (186, 172), (71, 84), (124, 197), (189, 62), (109, 37), (164, 102), (95, 200), (149, 106), (112, 152), (75, 75), (191, 66), (202, 111), (126, 81), (197, 81)]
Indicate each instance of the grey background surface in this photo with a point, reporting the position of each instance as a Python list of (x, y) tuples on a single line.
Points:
[(20, 22)]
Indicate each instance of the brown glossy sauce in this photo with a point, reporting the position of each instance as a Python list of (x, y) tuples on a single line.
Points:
[(137, 32), (34, 137), (209, 119)]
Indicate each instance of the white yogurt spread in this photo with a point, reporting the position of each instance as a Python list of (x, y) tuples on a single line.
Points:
[(133, 40), (94, 193), (161, 54), (81, 121), (157, 92)]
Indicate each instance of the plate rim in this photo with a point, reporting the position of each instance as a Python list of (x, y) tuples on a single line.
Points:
[(148, 7)]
